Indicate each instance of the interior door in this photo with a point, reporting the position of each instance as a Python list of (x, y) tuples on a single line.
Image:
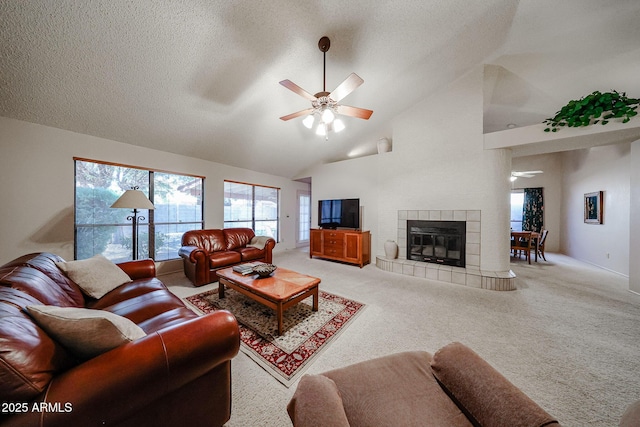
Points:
[(303, 220)]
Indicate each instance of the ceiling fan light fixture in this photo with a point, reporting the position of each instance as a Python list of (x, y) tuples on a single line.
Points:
[(308, 121), (326, 105), (328, 116)]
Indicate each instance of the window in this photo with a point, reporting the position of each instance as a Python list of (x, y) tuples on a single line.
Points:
[(252, 206), (99, 229), (304, 216), (517, 200), (331, 211)]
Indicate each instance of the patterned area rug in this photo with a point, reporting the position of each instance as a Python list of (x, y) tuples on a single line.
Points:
[(306, 332)]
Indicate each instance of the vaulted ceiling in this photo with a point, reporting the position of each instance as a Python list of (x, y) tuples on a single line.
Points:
[(200, 77)]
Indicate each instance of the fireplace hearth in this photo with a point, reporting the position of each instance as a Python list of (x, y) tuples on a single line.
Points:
[(470, 275), (438, 242)]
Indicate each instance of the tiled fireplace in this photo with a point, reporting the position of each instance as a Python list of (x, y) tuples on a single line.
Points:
[(469, 275), (438, 242)]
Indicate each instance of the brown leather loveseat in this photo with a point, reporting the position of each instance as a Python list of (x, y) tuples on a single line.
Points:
[(178, 372), (205, 251)]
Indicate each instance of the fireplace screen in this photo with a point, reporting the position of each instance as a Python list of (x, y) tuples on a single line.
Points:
[(440, 242)]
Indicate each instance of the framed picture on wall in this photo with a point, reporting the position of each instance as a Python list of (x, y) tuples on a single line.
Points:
[(593, 208)]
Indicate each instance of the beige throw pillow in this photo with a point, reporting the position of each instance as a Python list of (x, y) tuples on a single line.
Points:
[(258, 242), (87, 333), (96, 276)]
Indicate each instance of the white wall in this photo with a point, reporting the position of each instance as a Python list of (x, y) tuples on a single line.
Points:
[(606, 169), (37, 176), (634, 228), (437, 163), (441, 165), (357, 179), (551, 181)]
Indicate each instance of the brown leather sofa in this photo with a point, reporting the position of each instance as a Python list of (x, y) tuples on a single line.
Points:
[(205, 251), (178, 374), (454, 387)]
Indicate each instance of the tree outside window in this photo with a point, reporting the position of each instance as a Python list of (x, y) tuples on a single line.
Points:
[(100, 229), (252, 206)]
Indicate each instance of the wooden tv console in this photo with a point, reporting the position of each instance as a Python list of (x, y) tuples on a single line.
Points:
[(350, 246)]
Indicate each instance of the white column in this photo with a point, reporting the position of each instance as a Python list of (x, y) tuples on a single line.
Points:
[(634, 219), (496, 216)]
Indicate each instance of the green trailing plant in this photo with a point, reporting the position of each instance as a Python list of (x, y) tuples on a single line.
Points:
[(594, 108)]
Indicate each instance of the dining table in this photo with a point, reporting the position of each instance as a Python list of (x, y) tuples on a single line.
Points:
[(534, 235)]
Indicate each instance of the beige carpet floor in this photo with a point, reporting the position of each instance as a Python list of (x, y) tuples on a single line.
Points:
[(569, 336)]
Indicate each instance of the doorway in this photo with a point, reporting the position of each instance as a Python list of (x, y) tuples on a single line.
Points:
[(303, 218)]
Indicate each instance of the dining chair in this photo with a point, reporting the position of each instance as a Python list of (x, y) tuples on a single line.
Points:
[(522, 243), (543, 238)]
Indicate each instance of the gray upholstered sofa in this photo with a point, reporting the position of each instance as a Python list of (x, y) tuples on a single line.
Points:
[(454, 387)]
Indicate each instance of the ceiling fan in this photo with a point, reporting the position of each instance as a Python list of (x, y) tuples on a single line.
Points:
[(325, 105), (523, 174)]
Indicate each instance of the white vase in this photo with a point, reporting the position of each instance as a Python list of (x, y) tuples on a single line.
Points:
[(390, 249), (384, 145)]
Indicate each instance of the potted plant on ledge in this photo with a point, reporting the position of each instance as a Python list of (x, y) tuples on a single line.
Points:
[(594, 108)]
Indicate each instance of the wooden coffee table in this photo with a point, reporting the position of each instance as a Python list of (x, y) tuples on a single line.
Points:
[(283, 289)]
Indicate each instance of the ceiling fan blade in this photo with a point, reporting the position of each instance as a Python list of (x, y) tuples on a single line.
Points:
[(297, 114), (346, 87), (525, 174), (360, 113), (297, 89)]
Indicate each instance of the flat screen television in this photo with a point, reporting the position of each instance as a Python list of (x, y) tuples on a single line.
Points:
[(339, 213)]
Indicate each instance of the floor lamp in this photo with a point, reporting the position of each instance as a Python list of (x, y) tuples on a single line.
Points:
[(134, 199)]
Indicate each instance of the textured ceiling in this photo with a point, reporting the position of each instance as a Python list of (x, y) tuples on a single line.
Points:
[(200, 77)]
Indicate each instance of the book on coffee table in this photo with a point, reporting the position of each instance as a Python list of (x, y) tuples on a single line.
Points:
[(246, 268)]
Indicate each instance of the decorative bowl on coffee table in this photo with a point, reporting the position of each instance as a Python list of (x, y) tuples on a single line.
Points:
[(264, 270)]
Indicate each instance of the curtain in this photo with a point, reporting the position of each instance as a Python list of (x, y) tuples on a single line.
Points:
[(533, 209)]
